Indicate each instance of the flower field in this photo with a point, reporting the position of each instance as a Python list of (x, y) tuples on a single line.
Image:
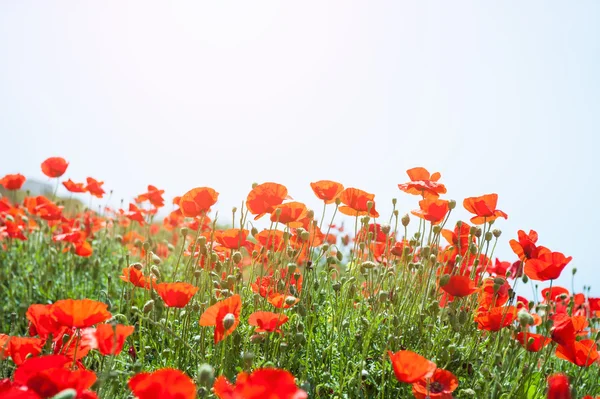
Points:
[(157, 300)]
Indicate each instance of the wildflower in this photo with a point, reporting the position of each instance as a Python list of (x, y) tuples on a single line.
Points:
[(18, 348), (410, 367), (198, 201), (41, 320), (154, 196), (327, 190), (79, 313), (264, 197), (496, 318), (107, 338), (439, 386), (459, 286), (558, 387), (94, 187), (525, 247), (484, 208), (282, 301), (136, 277), (176, 295), (357, 203), (73, 187), (232, 238), (267, 321), (164, 383), (12, 182), (423, 183), (224, 315), (532, 342), (433, 210), (54, 167), (290, 213), (547, 265), (260, 384)]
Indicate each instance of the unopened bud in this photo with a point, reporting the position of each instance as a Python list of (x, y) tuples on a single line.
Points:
[(405, 220), (496, 233), (451, 204), (148, 306), (206, 373), (228, 321), (236, 257)]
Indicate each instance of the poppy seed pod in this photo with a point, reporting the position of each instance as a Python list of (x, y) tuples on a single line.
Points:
[(488, 236), (477, 232), (310, 214), (206, 373), (228, 321), (155, 258), (137, 266), (496, 233), (451, 204), (154, 270), (236, 257), (405, 220)]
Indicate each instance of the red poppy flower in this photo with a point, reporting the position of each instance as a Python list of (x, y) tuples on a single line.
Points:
[(459, 286), (224, 315), (136, 277), (50, 375), (164, 384), (154, 196), (547, 266), (176, 295), (42, 321), (459, 237), (327, 190), (532, 342), (410, 367), (433, 210), (198, 201), (484, 207), (232, 238), (267, 321), (422, 183), (134, 213), (441, 385), (54, 167), (264, 197), (94, 187), (501, 268), (496, 318), (493, 292), (107, 338), (356, 203), (558, 387), (552, 294), (260, 384), (13, 230), (525, 247), (83, 248), (18, 348), (282, 301), (12, 182), (271, 240), (73, 187), (582, 353), (290, 213), (79, 313)]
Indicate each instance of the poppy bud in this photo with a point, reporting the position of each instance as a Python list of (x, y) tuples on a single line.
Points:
[(574, 270), (254, 231), (436, 229), (254, 185), (451, 204), (336, 286), (425, 251), (228, 321), (257, 338), (488, 236), (248, 358), (230, 280), (383, 296), (361, 246), (525, 278), (472, 249), (118, 238), (137, 266), (69, 393), (365, 220), (405, 220), (368, 265), (305, 235), (462, 317), (148, 306), (155, 259), (236, 257), (496, 233), (477, 232), (290, 300), (338, 201), (310, 214), (301, 310), (154, 270), (525, 319), (146, 246), (499, 280), (445, 279), (370, 205), (206, 374)]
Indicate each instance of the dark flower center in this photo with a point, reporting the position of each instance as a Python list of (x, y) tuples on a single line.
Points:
[(436, 387)]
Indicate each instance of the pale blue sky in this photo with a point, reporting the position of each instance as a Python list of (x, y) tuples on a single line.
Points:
[(498, 96)]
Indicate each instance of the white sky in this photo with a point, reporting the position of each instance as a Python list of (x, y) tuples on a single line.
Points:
[(499, 97)]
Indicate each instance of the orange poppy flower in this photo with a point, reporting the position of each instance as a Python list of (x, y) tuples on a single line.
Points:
[(422, 183), (532, 342), (267, 321), (282, 301), (176, 295), (271, 240), (260, 384), (154, 196), (525, 247), (12, 182), (459, 286), (198, 201), (552, 294), (232, 238), (164, 384), (49, 375), (290, 213), (327, 190), (83, 248), (94, 187), (492, 293), (547, 266), (484, 207), (410, 367), (496, 318), (356, 203), (558, 387), (264, 197), (107, 338), (79, 313), (582, 353), (441, 385), (73, 187), (18, 348), (134, 214), (42, 321), (433, 210), (13, 230), (54, 167), (224, 315)]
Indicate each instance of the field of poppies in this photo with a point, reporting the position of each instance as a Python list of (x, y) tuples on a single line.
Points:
[(166, 301)]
